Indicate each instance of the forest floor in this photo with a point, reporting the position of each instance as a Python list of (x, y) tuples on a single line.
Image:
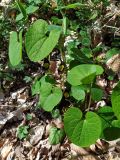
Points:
[(18, 108)]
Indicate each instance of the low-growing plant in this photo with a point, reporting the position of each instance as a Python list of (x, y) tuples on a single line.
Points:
[(29, 117), (82, 125), (22, 132), (56, 135)]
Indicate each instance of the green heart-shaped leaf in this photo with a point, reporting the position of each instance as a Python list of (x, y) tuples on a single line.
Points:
[(115, 98), (82, 132), (50, 95), (38, 44), (56, 135), (15, 48), (106, 115), (83, 74), (48, 102), (77, 93), (96, 94)]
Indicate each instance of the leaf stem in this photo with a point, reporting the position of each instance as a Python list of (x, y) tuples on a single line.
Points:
[(90, 97)]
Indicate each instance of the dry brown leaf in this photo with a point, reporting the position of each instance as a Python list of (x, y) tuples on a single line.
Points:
[(6, 149), (5, 117), (38, 156), (20, 95), (90, 157), (114, 63), (112, 144), (79, 150), (2, 141), (112, 157), (48, 127), (84, 152), (27, 144), (58, 122), (19, 153), (32, 154), (56, 147), (101, 82), (37, 134), (102, 145), (10, 156), (44, 144)]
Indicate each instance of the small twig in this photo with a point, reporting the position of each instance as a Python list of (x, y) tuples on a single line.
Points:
[(110, 27)]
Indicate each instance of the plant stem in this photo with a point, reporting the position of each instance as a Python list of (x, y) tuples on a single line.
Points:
[(90, 98), (89, 102), (63, 59), (86, 101)]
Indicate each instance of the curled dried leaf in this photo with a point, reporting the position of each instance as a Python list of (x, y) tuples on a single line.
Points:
[(79, 150), (114, 63), (56, 147), (48, 127), (58, 123), (6, 149)]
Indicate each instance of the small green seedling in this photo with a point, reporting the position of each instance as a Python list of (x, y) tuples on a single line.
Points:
[(22, 132), (29, 117), (56, 135)]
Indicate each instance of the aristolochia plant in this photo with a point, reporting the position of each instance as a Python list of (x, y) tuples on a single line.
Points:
[(82, 126), (50, 95), (15, 48), (39, 42)]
